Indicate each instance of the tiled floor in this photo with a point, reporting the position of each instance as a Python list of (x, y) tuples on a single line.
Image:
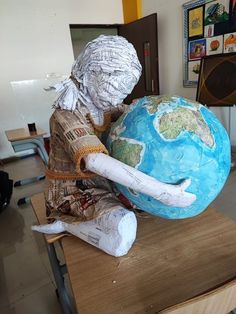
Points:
[(27, 285), (26, 281)]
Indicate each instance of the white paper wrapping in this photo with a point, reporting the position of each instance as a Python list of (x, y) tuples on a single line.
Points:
[(102, 76), (113, 233), (116, 171)]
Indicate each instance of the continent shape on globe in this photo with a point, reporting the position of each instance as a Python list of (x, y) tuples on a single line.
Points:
[(172, 139)]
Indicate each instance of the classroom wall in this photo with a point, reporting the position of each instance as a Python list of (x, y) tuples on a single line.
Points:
[(36, 51), (170, 40)]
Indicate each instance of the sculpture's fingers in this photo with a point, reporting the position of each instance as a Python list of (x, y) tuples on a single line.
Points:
[(188, 199), (185, 184), (178, 199)]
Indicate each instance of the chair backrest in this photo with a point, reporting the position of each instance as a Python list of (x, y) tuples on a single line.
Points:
[(220, 300)]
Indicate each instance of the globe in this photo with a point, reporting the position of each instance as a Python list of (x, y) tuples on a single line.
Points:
[(171, 139)]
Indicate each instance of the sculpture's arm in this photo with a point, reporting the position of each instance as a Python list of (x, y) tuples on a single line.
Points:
[(114, 170)]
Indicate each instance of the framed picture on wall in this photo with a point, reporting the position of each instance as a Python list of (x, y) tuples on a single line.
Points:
[(196, 49), (209, 29), (230, 42), (195, 22), (217, 80), (216, 11), (214, 45), (233, 15)]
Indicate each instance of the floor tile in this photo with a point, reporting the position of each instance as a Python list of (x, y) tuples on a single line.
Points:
[(41, 301)]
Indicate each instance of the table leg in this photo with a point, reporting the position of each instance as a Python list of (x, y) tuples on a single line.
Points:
[(36, 144), (58, 272), (41, 149), (29, 180)]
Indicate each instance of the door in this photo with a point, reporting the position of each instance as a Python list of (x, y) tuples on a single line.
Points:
[(143, 35), (82, 34)]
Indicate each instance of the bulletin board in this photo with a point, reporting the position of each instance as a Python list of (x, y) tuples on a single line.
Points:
[(209, 29)]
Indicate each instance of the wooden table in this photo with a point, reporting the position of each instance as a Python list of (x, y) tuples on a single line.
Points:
[(170, 262), (21, 140), (23, 134)]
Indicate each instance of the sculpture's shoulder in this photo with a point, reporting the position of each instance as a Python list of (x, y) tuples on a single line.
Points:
[(72, 117)]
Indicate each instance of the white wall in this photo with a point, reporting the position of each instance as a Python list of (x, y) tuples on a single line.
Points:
[(170, 40), (36, 49)]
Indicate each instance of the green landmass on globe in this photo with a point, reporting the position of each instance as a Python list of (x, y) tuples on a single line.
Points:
[(127, 152), (173, 123), (153, 104)]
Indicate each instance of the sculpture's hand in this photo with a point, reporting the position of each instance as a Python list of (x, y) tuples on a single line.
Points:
[(176, 196)]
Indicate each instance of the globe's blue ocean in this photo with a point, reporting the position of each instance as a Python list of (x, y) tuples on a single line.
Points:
[(172, 160)]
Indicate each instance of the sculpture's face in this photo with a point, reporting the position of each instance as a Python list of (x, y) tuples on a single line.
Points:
[(108, 90), (107, 71)]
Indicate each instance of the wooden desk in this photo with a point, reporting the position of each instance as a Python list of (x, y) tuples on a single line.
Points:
[(21, 140), (23, 134), (170, 262)]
